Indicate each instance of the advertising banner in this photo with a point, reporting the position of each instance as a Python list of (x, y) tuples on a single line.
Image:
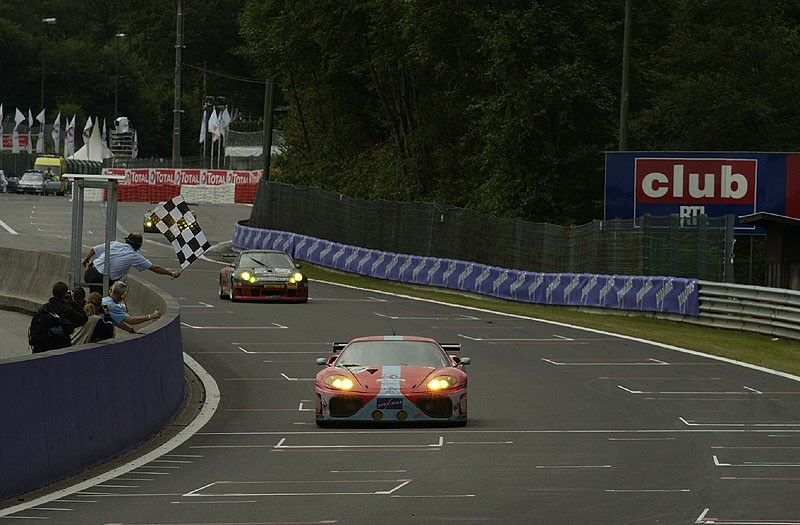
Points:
[(714, 184), (8, 141)]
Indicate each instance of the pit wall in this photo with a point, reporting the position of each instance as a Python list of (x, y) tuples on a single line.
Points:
[(65, 410), (623, 292)]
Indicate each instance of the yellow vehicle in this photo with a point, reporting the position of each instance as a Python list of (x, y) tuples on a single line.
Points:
[(52, 167)]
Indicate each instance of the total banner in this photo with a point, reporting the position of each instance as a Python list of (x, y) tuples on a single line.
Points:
[(690, 184), (158, 176), (639, 293)]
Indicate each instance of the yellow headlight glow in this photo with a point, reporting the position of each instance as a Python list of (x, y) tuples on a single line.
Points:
[(252, 279), (297, 276), (339, 382), (441, 382), (148, 223), (245, 276)]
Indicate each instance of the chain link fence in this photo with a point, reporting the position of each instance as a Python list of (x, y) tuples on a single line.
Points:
[(668, 246)]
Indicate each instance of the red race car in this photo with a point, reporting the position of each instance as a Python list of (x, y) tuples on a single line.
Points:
[(392, 379), (260, 275)]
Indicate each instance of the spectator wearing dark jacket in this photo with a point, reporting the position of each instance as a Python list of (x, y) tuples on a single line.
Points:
[(66, 312)]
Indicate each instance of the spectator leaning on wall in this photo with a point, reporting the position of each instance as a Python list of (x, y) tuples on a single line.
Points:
[(119, 311), (54, 322), (122, 255)]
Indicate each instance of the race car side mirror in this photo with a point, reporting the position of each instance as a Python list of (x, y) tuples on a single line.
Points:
[(297, 265), (462, 360), (321, 361)]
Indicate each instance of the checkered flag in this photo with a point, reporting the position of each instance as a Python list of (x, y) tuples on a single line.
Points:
[(176, 221)]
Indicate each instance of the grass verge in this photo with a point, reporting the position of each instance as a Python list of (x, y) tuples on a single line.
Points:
[(779, 354)]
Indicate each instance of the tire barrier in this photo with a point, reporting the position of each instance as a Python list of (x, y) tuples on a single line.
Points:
[(645, 294), (66, 410)]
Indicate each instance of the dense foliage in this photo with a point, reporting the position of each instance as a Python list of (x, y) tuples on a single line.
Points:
[(505, 107)]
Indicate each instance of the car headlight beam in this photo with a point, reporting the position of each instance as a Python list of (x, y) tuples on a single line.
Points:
[(442, 383), (245, 275), (339, 382)]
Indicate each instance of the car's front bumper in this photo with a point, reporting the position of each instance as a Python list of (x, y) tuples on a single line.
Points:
[(270, 292), (422, 407)]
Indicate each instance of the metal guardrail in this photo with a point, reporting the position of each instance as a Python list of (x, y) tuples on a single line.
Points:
[(771, 311)]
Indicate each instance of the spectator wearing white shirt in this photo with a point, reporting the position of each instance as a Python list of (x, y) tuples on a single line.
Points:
[(122, 256)]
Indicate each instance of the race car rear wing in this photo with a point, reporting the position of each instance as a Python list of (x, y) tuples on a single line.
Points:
[(338, 346), (451, 347)]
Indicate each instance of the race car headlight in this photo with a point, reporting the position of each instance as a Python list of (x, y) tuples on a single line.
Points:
[(245, 276), (442, 382), (339, 382), (297, 276)]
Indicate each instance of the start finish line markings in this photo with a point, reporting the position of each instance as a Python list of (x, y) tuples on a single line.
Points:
[(650, 361)]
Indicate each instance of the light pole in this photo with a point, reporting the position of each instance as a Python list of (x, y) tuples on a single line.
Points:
[(176, 111), (48, 21), (626, 73), (118, 36)]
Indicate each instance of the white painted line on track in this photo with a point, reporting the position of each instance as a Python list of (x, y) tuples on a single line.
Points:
[(275, 326), (554, 339), (501, 431), (196, 492), (367, 471), (206, 412), (211, 502), (401, 485), (8, 228), (431, 318), (648, 362), (641, 439), (701, 520), (297, 378), (689, 423), (647, 490), (280, 445), (718, 463), (680, 393), (571, 466)]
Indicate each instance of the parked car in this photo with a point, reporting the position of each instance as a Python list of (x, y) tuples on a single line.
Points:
[(31, 182)]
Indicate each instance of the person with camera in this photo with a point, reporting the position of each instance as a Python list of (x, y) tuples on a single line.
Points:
[(53, 324), (118, 310), (122, 256)]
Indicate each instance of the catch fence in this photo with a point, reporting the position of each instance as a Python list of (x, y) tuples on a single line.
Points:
[(695, 247)]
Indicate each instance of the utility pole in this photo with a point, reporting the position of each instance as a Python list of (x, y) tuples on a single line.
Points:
[(269, 94), (626, 71), (176, 112)]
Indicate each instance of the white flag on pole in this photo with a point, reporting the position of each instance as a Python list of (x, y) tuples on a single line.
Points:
[(225, 122), (69, 138), (19, 117), (135, 146), (203, 129), (56, 133), (87, 130), (213, 125), (103, 135), (29, 147), (40, 138)]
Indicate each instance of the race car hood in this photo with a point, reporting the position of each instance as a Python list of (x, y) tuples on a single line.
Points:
[(281, 272), (399, 379)]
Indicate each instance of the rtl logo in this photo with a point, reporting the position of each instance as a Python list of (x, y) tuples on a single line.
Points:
[(695, 181)]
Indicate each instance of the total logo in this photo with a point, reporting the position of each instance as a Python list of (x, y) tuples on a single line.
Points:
[(695, 181)]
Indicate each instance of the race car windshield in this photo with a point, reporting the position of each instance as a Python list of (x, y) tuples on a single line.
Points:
[(388, 353), (272, 260)]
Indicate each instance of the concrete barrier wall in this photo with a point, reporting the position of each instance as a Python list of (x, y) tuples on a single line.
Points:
[(622, 292), (65, 410)]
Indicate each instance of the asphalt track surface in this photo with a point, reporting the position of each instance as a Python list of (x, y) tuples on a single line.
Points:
[(566, 426)]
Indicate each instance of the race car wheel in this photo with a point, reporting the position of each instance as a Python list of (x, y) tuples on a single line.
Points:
[(232, 296)]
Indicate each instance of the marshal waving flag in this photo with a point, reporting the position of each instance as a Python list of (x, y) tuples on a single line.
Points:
[(175, 220)]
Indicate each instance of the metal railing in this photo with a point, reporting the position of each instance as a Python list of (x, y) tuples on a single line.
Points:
[(771, 311)]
